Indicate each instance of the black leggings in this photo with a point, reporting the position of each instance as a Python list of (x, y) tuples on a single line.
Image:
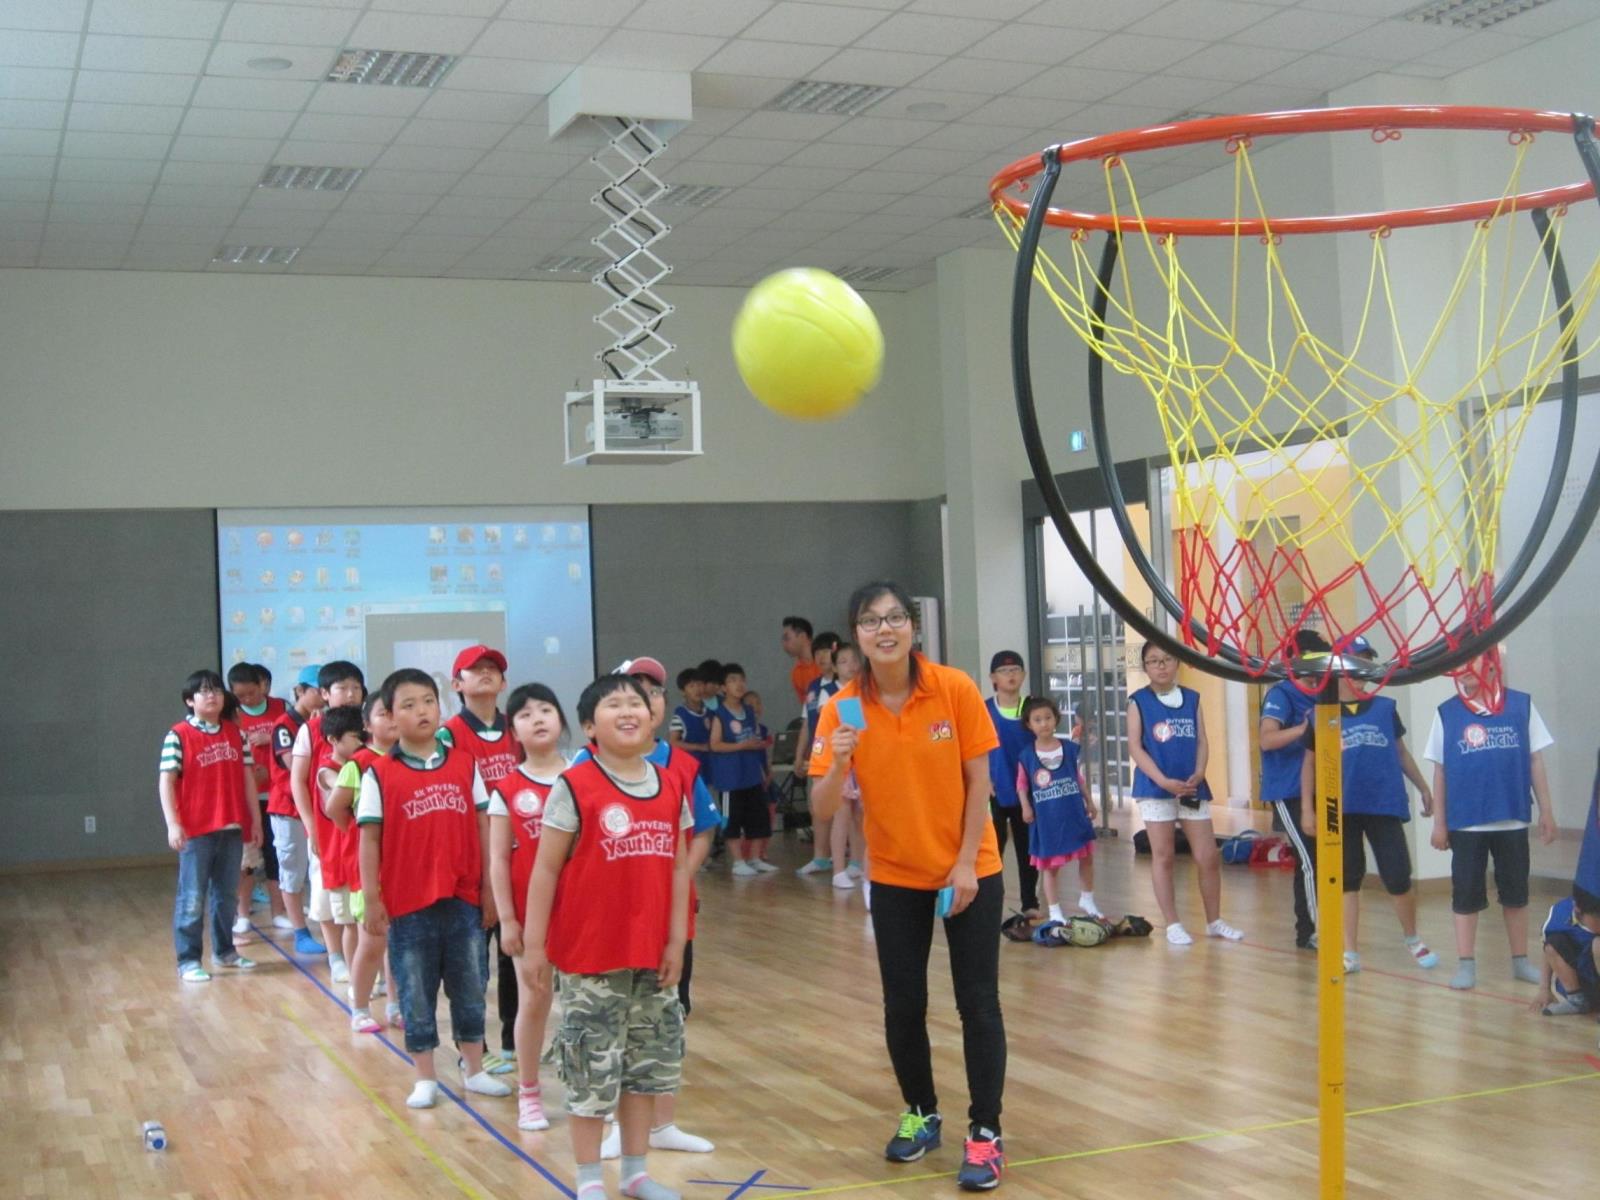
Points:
[(902, 925), (1009, 820), (1387, 837), (688, 973)]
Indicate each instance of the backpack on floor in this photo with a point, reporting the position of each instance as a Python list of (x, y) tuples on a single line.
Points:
[(1239, 850), (1017, 928), (1180, 841), (1273, 852)]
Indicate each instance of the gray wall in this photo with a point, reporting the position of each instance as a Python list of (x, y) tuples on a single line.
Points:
[(689, 582), (102, 615)]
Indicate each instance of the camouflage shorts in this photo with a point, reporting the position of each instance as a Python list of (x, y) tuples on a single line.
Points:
[(620, 1032)]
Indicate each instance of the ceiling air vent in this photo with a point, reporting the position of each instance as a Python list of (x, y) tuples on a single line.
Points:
[(1471, 14), (693, 195), (828, 99), (571, 264), (391, 68), (310, 179), (866, 274), (262, 255)]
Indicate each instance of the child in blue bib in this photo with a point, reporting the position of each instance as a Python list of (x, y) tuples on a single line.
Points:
[(1056, 806)]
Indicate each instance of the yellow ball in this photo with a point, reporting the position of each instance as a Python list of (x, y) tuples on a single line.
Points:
[(806, 344)]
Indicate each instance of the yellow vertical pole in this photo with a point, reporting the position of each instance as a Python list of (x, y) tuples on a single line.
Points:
[(1330, 940)]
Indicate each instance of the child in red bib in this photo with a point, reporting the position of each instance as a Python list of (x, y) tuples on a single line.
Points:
[(423, 812), (258, 710), (608, 907), (207, 787), (516, 813), (343, 734), (288, 831)]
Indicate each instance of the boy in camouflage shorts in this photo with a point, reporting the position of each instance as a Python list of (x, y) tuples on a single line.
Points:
[(608, 907)]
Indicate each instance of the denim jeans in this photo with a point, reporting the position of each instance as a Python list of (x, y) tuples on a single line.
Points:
[(902, 924), (208, 861), (442, 943)]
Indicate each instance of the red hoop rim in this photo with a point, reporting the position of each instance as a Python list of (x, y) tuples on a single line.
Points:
[(1383, 121)]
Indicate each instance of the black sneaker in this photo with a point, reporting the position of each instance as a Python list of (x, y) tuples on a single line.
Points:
[(916, 1135), (982, 1161)]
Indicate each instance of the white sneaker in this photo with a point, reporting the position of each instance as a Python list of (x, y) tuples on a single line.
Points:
[(843, 879), (485, 1084), (380, 986), (241, 926), (670, 1137), (611, 1144), (855, 870), (816, 866), (282, 922), (1352, 962), (1220, 928), (425, 1094), (763, 866), (341, 970), (743, 869), (1177, 935)]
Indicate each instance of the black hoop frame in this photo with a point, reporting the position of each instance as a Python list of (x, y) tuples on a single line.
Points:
[(1433, 659)]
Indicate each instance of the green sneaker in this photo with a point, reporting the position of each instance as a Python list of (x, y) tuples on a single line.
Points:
[(916, 1135)]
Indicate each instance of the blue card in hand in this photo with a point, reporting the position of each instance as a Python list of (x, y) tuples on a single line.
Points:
[(942, 902), (850, 712)]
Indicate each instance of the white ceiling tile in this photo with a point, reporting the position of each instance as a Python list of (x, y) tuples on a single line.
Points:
[(338, 127), (1033, 44), (572, 12), (794, 127), (81, 144), (538, 41), (1136, 52), (403, 31), (294, 201), (1396, 41), (31, 211), (17, 253), (416, 183), (1023, 112), (76, 191), (1174, 93), (281, 23), (474, 134), (1263, 97), (654, 51), (921, 161), (480, 74), (927, 34), (368, 224), (1302, 29), (509, 162), (125, 118), (533, 137), (32, 114), (503, 207), (174, 258), (161, 56), (428, 158), (951, 105), (65, 15), (235, 122), (313, 152), (982, 75), (360, 201), (699, 173), (783, 61), (130, 87), (443, 105), (818, 221), (1324, 72), (887, 68), (1206, 20), (882, 131), (27, 166), (1474, 49), (825, 24), (442, 8), (230, 176), (305, 62), (838, 154), (1079, 83), (38, 49), (434, 243), (110, 215), (35, 83), (223, 149), (156, 18), (348, 100), (274, 229), (278, 95), (1092, 14), (736, 91), (14, 191), (1235, 64), (75, 257), (437, 224), (523, 187), (719, 17), (185, 221)]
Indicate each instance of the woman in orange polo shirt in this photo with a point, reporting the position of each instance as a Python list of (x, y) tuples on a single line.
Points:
[(922, 765)]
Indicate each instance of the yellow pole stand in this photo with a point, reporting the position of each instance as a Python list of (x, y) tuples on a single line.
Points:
[(1330, 941)]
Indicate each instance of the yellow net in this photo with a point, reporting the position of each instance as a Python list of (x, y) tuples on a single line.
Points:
[(1396, 530)]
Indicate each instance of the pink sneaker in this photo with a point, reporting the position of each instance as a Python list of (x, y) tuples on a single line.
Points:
[(361, 1022), (530, 1109)]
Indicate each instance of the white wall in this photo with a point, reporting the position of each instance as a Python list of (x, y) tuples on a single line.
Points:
[(139, 389)]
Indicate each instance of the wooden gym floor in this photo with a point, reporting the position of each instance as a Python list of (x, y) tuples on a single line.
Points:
[(1136, 1069)]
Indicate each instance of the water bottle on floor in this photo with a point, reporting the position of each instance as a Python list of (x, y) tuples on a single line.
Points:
[(155, 1137)]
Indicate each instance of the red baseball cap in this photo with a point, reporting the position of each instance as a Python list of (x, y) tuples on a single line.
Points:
[(476, 654), (650, 668)]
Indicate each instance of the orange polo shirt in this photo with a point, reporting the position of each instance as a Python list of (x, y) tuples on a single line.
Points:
[(909, 768), (800, 677)]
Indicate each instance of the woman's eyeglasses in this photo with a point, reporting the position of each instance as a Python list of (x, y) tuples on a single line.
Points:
[(872, 622)]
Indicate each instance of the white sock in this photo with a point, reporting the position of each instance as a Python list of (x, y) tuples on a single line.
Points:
[(1086, 902), (424, 1094), (1055, 913)]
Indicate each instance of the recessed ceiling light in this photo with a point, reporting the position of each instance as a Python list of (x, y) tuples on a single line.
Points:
[(571, 264), (270, 63), (828, 99), (1471, 14), (392, 68), (693, 195), (262, 255), (866, 274), (926, 108), (310, 179)]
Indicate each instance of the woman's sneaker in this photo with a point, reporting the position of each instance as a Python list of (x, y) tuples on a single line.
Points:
[(916, 1135), (982, 1160)]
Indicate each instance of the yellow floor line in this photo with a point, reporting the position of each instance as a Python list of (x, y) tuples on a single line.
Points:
[(1209, 1135), (428, 1152)]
